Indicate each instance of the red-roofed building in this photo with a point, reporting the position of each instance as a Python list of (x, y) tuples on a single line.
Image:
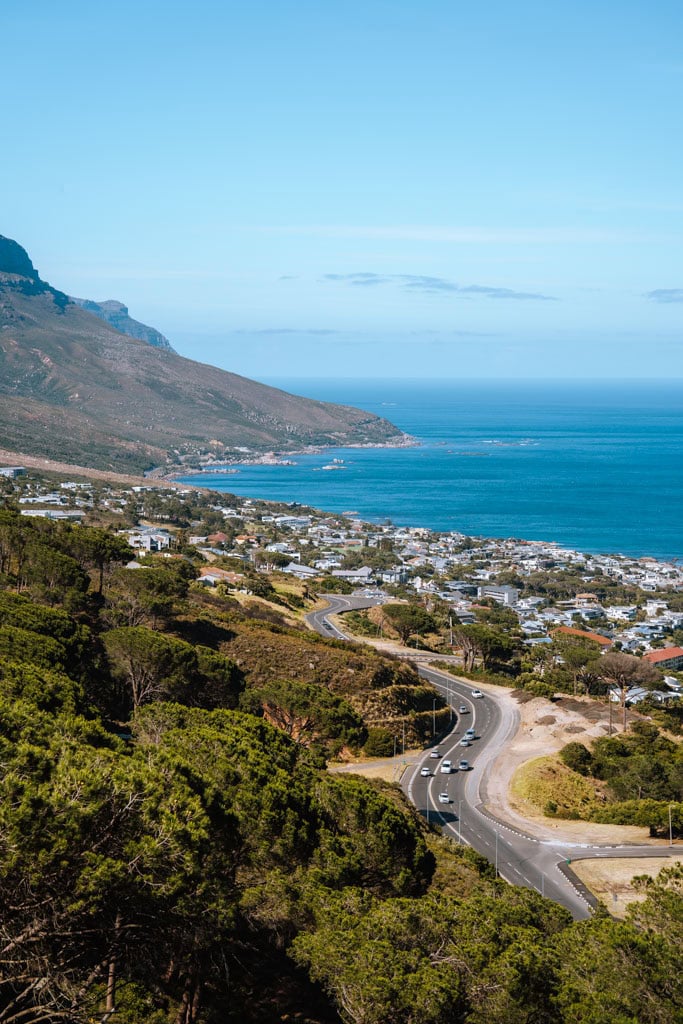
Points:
[(583, 634), (668, 657)]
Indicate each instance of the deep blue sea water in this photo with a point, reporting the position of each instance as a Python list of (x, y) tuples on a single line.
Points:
[(595, 466)]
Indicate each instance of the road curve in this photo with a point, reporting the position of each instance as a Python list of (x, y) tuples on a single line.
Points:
[(521, 859), (337, 603)]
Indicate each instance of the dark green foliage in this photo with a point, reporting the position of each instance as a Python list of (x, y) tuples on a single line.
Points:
[(653, 814), (23, 645), (218, 681), (577, 757), (46, 688), (479, 641), (614, 972), (380, 743), (409, 620), (364, 840), (640, 764), (211, 871), (309, 712), (437, 960)]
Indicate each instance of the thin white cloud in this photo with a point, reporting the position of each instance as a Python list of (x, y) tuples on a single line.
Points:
[(665, 295), (434, 286)]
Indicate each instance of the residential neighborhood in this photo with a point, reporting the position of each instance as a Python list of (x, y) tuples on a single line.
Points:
[(631, 605)]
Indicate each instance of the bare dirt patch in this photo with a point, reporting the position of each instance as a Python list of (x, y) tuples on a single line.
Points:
[(610, 878), (388, 769)]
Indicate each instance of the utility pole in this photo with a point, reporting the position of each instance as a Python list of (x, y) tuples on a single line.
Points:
[(433, 716)]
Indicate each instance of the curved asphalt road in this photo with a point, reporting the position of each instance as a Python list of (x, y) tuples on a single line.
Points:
[(520, 859)]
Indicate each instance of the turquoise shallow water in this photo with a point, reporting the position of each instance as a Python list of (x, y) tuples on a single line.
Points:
[(597, 467)]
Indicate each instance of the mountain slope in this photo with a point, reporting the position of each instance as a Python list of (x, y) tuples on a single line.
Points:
[(74, 388)]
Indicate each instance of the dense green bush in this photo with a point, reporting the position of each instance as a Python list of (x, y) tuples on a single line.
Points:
[(380, 743), (577, 757)]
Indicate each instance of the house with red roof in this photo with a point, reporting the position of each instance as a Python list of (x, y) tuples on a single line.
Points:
[(667, 658), (583, 634)]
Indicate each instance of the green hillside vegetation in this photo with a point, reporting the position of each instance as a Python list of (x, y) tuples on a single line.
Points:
[(168, 857), (381, 691), (635, 778)]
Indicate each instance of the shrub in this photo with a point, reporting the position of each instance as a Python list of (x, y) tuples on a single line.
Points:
[(380, 743), (577, 757)]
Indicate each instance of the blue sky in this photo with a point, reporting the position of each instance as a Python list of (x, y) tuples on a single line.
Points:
[(364, 189)]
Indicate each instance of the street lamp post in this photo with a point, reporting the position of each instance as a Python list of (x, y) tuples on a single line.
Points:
[(671, 835), (496, 854)]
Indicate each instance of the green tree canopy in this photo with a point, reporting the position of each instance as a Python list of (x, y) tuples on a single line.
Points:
[(409, 620)]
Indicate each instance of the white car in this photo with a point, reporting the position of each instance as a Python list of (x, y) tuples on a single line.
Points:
[(435, 753), (464, 742), (444, 798), (477, 693), (446, 767), (463, 710), (464, 766), (470, 733), (424, 770)]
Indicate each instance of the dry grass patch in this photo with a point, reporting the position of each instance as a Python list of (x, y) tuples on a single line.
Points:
[(547, 785), (610, 878)]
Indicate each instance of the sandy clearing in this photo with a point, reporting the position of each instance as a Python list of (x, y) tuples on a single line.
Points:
[(609, 878), (390, 769)]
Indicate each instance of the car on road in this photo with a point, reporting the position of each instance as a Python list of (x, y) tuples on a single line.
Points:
[(477, 693), (464, 766), (446, 767), (435, 753), (463, 710), (470, 733), (424, 770), (444, 798), (464, 742)]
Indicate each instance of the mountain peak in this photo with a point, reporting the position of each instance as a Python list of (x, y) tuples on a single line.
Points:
[(116, 314), (15, 260)]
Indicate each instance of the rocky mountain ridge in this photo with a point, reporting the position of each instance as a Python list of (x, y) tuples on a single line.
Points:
[(116, 314), (73, 388)]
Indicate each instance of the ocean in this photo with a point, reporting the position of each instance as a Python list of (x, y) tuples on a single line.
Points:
[(594, 466)]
